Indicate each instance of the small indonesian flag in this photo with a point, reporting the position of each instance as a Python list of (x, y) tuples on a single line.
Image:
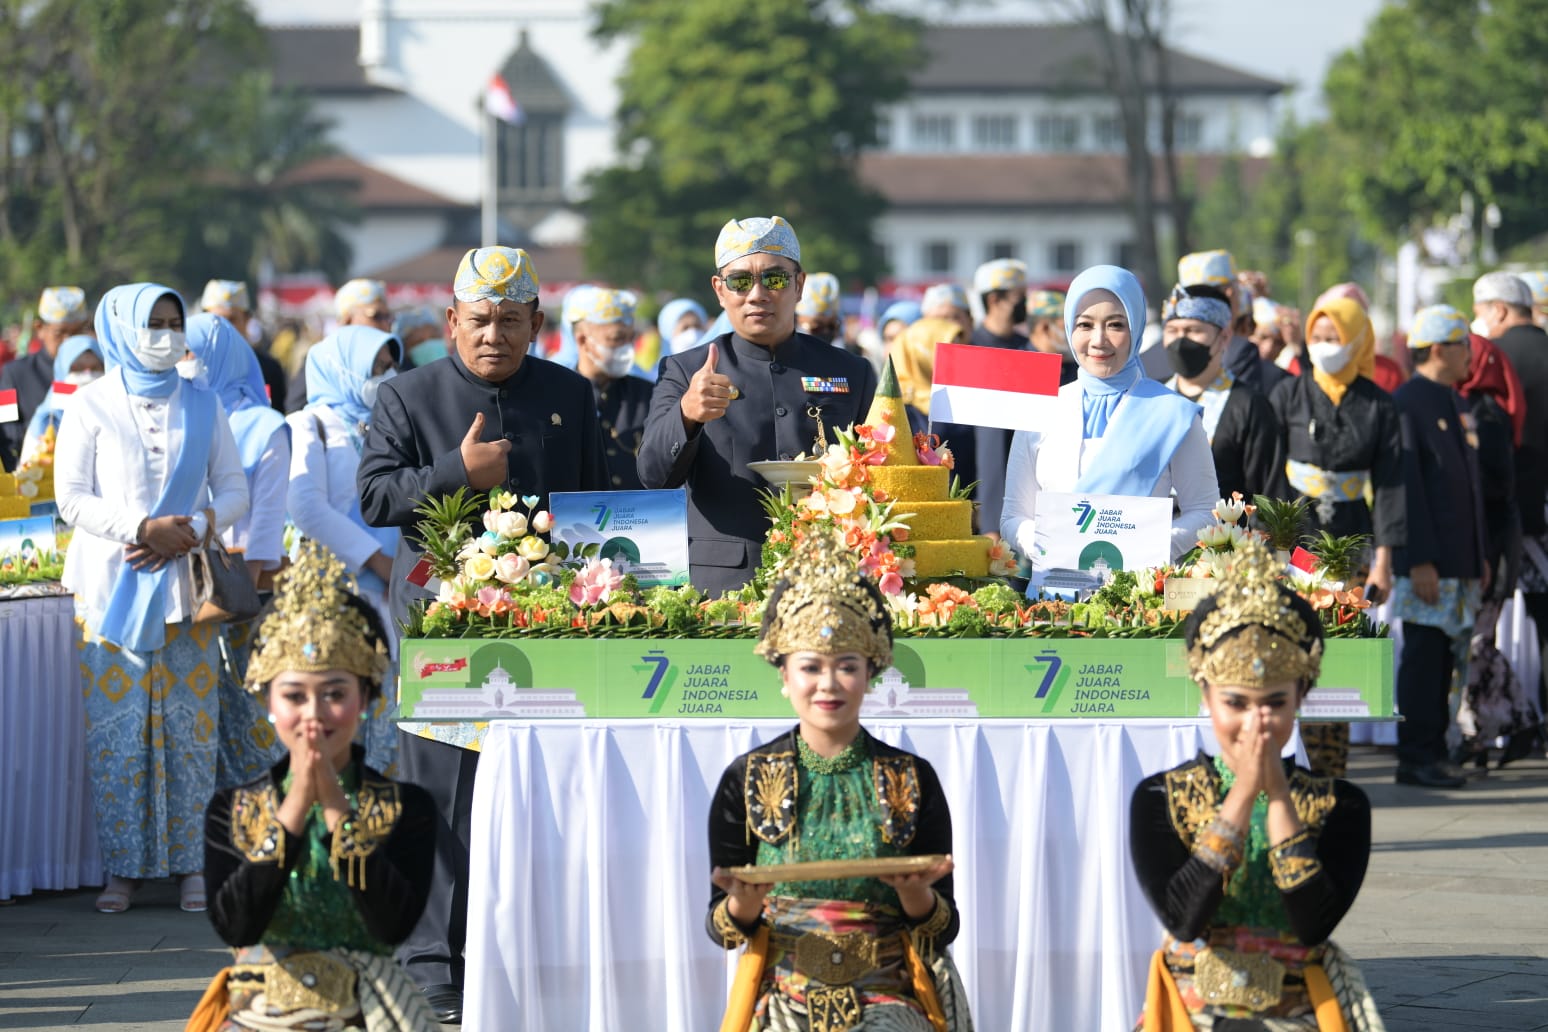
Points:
[(499, 103), (10, 411), (420, 576), (1013, 390), (1303, 560), (62, 389)]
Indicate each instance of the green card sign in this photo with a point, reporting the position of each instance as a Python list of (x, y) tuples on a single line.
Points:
[(457, 680)]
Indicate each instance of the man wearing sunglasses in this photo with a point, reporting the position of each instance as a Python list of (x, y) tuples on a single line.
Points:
[(754, 394)]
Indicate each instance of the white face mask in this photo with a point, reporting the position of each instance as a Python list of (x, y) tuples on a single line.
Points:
[(618, 363), (1480, 326), (159, 350), (82, 378), (1329, 357), (369, 389), (191, 368), (684, 340), (253, 332)]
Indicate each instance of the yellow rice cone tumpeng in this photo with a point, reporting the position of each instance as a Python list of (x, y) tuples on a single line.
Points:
[(887, 408)]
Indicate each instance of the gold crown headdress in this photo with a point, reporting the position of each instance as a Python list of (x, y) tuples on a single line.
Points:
[(1254, 635), (313, 627), (824, 604)]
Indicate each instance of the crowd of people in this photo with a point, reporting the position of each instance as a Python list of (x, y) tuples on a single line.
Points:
[(221, 754)]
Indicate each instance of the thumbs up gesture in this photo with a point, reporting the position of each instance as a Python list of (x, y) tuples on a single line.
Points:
[(484, 460), (709, 393)]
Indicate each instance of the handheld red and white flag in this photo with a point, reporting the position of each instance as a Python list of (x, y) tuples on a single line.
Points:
[(1303, 560), (1012, 390), (62, 389), (420, 576), (10, 411), (499, 102)]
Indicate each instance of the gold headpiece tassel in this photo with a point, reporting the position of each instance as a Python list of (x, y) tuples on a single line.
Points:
[(312, 626), (1254, 637), (824, 604)]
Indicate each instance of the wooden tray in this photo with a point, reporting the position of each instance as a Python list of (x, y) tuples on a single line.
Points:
[(814, 870)]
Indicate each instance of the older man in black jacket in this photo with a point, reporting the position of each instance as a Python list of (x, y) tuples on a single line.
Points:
[(756, 393), (1441, 569), (490, 416)]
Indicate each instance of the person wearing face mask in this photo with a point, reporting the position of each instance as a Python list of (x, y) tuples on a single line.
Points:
[(491, 415), (681, 323), (421, 330), (78, 363), (144, 468), (1243, 432), (1440, 570), (948, 301), (1217, 269), (229, 300), (1503, 304), (604, 339), (62, 313), (227, 365), (1342, 436), (817, 313), (1118, 431), (344, 373)]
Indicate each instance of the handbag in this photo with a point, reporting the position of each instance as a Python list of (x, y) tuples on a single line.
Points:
[(221, 585)]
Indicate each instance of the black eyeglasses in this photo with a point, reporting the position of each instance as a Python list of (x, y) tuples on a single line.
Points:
[(741, 281)]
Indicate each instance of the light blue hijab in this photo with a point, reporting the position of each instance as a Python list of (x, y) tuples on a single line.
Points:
[(135, 617), (51, 410), (721, 326), (121, 314), (672, 311), (906, 312), (231, 370), (1144, 435), (338, 366)]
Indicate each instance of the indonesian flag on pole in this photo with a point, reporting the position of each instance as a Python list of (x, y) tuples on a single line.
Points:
[(61, 388), (10, 411), (421, 577), (1013, 390), (499, 102)]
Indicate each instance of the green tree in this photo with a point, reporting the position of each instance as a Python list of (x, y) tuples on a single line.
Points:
[(1446, 97), (132, 136), (262, 209), (733, 110)]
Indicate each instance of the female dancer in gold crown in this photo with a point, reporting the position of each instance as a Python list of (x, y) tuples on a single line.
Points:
[(840, 953), (1250, 861), (316, 869)]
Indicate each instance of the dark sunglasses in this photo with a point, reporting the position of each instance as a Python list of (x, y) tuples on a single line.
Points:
[(741, 281)]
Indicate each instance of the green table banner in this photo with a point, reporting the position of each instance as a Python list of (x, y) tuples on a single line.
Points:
[(451, 680)]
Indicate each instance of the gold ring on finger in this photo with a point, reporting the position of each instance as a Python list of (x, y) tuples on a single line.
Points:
[(733, 394)]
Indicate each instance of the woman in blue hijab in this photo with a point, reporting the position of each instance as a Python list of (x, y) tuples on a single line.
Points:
[(225, 362), (1114, 430), (680, 323), (78, 363), (343, 373), (145, 467)]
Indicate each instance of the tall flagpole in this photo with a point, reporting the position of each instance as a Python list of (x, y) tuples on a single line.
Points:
[(490, 222)]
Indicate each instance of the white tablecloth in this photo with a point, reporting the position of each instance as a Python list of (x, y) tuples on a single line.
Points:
[(48, 836), (590, 869)]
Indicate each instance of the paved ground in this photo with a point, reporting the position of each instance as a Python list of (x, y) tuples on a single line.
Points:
[(1451, 928)]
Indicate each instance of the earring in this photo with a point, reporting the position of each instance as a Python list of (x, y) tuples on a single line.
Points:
[(270, 719), (784, 690)]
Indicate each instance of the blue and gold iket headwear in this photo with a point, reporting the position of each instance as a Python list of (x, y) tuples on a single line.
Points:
[(742, 237), (820, 297), (62, 305), (496, 274)]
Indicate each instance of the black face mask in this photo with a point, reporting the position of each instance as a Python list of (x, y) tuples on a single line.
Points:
[(1019, 313), (1188, 357)]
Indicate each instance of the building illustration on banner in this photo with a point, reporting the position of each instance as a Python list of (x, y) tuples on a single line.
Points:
[(893, 696), (499, 696)]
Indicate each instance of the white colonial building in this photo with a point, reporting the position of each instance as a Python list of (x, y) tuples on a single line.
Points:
[(1008, 146)]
